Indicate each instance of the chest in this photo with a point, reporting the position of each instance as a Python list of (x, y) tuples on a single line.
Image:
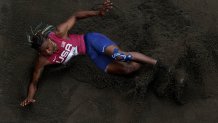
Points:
[(65, 50)]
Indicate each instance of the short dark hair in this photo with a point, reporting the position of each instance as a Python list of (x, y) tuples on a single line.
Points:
[(39, 34), (37, 41)]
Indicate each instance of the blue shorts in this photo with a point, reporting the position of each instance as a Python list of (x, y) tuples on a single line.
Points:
[(96, 44)]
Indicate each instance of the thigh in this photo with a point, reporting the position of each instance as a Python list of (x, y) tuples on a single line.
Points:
[(98, 41), (116, 67), (102, 61)]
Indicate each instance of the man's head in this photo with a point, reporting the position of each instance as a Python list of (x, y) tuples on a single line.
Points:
[(39, 39)]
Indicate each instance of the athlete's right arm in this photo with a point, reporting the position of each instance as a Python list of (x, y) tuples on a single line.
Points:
[(40, 64), (63, 28)]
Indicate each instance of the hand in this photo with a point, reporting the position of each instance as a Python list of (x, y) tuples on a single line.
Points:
[(27, 101), (106, 7)]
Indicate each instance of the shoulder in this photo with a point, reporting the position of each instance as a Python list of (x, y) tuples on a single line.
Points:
[(59, 33)]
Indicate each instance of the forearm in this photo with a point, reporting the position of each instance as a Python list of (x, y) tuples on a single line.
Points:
[(31, 90), (63, 28), (33, 84), (85, 14)]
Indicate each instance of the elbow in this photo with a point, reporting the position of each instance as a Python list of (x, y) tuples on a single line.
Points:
[(76, 16), (79, 15)]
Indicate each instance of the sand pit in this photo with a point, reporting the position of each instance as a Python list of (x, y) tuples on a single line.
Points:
[(182, 33)]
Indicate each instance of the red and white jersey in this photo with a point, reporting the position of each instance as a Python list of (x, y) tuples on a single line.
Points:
[(67, 48)]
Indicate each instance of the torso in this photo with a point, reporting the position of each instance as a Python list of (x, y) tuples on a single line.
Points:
[(67, 48)]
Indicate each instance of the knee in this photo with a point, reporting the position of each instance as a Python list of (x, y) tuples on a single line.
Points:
[(127, 71), (136, 66), (121, 56), (131, 68)]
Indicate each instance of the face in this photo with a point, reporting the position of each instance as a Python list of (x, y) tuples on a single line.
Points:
[(47, 48)]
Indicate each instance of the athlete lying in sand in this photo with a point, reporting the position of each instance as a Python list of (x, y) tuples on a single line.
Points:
[(57, 46)]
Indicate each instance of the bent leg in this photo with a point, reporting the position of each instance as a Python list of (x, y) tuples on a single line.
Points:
[(136, 56), (122, 68), (139, 57)]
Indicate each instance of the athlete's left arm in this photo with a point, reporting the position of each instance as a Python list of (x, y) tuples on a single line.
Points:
[(63, 28)]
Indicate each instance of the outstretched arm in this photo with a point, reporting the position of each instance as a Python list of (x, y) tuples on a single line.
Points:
[(63, 28), (41, 62)]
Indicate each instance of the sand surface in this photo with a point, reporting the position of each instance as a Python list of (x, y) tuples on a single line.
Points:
[(182, 33)]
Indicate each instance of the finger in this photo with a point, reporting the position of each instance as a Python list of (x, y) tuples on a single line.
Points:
[(25, 103), (28, 101), (33, 101), (21, 104), (109, 5), (107, 2), (109, 8)]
